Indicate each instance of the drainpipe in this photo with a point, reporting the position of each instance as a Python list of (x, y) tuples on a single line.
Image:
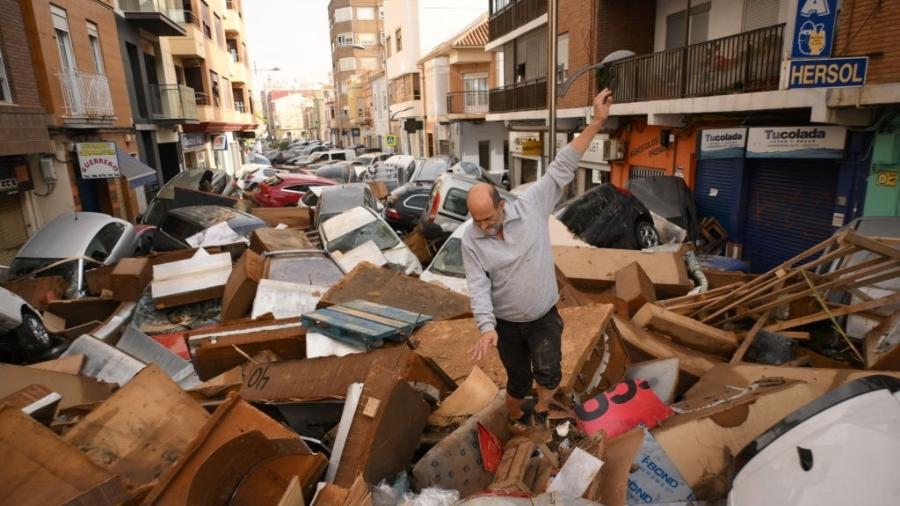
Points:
[(684, 50), (552, 29), (422, 96)]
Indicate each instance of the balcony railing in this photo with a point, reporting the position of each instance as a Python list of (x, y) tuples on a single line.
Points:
[(524, 96), (201, 98), (173, 102), (190, 18), (86, 94), (170, 8), (513, 15), (239, 106), (467, 102), (748, 61)]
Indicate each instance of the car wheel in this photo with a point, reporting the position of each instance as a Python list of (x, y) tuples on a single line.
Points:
[(646, 234), (32, 335), (252, 187)]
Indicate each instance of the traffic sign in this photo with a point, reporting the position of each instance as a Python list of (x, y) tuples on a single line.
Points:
[(390, 140)]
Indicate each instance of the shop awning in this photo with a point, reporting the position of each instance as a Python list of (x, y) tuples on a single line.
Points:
[(135, 171)]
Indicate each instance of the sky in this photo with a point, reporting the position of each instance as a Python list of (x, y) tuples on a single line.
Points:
[(292, 35)]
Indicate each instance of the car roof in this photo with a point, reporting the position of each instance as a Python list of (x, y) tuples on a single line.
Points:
[(345, 195), (207, 216), (294, 177), (67, 235)]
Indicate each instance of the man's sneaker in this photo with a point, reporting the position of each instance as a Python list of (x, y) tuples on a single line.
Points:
[(542, 419), (521, 424)]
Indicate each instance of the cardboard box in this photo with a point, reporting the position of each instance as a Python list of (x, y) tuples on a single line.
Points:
[(687, 331), (37, 292), (417, 243), (129, 278), (293, 217), (97, 279), (383, 286), (597, 267), (76, 390), (386, 428), (140, 431), (634, 287), (270, 239), (72, 318), (40, 468), (201, 277), (379, 189), (240, 289)]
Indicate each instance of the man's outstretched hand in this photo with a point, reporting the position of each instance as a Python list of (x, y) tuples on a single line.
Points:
[(483, 346), (602, 103)]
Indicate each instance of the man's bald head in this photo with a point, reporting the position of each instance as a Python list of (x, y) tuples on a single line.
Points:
[(486, 208)]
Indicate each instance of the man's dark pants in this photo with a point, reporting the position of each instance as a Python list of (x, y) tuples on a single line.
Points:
[(531, 351)]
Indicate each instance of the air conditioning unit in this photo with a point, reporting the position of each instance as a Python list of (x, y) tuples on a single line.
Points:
[(612, 149)]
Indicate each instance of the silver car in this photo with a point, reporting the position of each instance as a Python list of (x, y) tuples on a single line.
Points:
[(73, 243), (22, 334)]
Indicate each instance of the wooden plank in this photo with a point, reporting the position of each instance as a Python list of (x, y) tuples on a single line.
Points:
[(346, 322), (392, 312), (692, 362), (748, 339), (687, 331), (873, 245), (389, 322), (843, 311)]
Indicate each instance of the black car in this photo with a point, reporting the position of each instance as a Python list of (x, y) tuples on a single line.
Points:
[(669, 197), (609, 217), (180, 224), (405, 204)]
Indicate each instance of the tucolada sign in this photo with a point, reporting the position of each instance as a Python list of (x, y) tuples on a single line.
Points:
[(796, 142), (723, 143)]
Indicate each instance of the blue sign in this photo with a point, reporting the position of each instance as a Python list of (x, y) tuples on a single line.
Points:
[(828, 72), (814, 28)]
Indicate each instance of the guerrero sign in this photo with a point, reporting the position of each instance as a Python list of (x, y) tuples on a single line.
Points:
[(796, 142), (828, 72), (723, 143), (98, 160)]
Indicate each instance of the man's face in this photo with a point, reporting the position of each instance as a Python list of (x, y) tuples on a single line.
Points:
[(490, 221)]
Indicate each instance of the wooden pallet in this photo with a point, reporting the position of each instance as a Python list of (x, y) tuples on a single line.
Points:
[(362, 322)]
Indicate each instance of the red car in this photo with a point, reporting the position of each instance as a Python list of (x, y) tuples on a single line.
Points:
[(286, 189)]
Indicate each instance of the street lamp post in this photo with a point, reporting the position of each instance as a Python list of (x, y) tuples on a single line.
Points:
[(257, 70)]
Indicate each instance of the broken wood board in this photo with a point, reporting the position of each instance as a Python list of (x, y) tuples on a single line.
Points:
[(231, 419), (69, 365), (880, 346), (687, 331), (329, 377), (383, 286), (103, 362), (272, 479), (76, 390), (38, 291), (293, 217), (690, 361), (41, 468), (620, 454), (634, 287), (201, 277), (590, 361), (592, 267), (476, 392), (390, 415), (213, 348), (266, 239), (142, 429)]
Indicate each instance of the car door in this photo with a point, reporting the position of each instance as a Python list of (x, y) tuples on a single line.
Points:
[(369, 199)]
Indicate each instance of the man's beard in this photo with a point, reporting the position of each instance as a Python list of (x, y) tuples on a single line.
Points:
[(496, 227)]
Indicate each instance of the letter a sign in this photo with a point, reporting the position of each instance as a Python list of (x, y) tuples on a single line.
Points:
[(814, 28)]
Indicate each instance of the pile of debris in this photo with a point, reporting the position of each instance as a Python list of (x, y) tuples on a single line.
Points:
[(273, 373)]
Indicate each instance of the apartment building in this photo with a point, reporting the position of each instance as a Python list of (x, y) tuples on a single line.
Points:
[(159, 103), (212, 59), (457, 75), (357, 28), (24, 140), (289, 115), (80, 79)]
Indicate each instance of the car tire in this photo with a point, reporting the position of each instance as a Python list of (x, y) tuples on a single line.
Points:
[(252, 187), (645, 234), (32, 336)]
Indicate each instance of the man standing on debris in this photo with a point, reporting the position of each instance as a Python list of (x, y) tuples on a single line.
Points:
[(512, 279)]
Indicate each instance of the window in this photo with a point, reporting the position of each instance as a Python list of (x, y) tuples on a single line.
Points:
[(63, 41), (344, 39), (476, 88), (484, 154), (227, 100), (214, 84), (368, 63), (204, 13), (562, 54), (456, 202), (220, 34), (105, 241), (399, 40), (346, 64), (5, 94), (760, 13), (675, 27), (366, 38), (387, 46), (365, 13), (343, 14), (94, 42), (381, 12)]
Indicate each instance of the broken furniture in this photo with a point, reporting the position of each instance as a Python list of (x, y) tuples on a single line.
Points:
[(366, 323)]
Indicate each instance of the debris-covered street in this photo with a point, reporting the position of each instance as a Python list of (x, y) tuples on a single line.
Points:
[(449, 253)]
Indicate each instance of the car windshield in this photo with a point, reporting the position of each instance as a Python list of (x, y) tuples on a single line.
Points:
[(68, 270), (377, 231), (431, 169), (449, 260)]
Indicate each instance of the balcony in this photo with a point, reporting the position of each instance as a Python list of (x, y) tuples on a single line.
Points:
[(191, 44), (468, 103), (159, 17), (86, 96), (742, 63), (173, 103), (507, 15), (524, 96)]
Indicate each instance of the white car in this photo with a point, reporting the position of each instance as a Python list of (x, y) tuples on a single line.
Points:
[(446, 269), (359, 225), (22, 332), (255, 174)]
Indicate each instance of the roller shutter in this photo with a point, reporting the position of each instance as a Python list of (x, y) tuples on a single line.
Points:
[(717, 190)]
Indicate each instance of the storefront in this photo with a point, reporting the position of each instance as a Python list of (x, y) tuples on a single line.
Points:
[(527, 152), (195, 153), (594, 168), (15, 179), (654, 151), (779, 190), (883, 193)]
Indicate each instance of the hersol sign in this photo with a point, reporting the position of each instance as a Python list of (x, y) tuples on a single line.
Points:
[(796, 142)]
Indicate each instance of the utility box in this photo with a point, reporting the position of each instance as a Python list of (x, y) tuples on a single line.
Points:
[(887, 149)]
